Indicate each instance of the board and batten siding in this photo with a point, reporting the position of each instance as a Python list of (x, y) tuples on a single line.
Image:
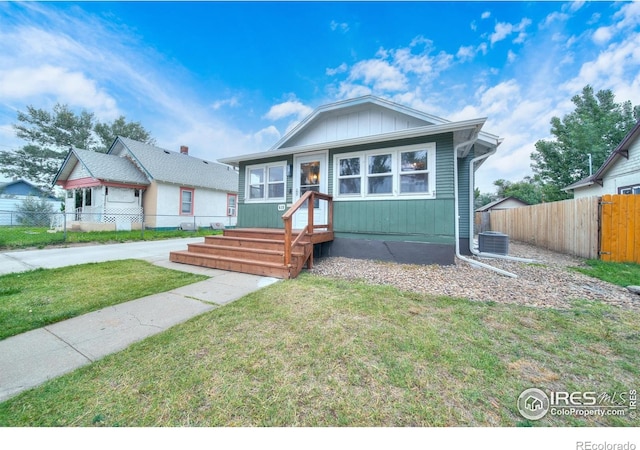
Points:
[(357, 122)]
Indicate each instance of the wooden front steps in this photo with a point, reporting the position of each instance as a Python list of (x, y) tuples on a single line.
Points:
[(258, 251)]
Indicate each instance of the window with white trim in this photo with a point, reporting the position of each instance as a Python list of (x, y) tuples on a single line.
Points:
[(400, 172), (629, 190), (266, 182), (349, 176)]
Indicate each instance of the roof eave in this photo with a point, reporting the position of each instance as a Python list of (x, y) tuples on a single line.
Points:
[(427, 130)]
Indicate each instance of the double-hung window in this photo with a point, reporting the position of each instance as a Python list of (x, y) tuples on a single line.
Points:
[(186, 202), (380, 174), (349, 176), (400, 172), (414, 172), (266, 182)]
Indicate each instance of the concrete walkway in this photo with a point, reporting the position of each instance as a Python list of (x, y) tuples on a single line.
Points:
[(32, 358)]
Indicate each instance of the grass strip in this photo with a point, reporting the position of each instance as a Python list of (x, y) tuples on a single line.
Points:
[(28, 237), (40, 297), (622, 274)]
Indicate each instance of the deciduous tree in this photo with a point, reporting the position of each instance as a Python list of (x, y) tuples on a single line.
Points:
[(50, 134), (596, 126)]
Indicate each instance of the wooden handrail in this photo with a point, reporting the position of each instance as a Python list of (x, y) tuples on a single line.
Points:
[(310, 227)]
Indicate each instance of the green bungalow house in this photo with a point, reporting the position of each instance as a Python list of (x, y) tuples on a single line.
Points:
[(397, 185)]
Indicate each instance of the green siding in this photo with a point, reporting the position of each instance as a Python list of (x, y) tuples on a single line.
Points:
[(444, 166), (463, 193), (428, 220), (424, 220), (259, 215)]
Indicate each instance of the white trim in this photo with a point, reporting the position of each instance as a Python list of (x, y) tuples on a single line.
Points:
[(320, 213), (265, 183), (428, 130), (396, 173)]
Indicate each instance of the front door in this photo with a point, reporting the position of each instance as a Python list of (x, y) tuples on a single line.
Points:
[(310, 174)]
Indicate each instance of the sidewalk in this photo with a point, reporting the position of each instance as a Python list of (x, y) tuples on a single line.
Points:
[(32, 358)]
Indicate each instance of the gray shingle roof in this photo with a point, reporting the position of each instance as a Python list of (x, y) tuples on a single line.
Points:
[(110, 167), (185, 170)]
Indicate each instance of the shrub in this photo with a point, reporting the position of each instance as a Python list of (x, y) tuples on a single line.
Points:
[(35, 212)]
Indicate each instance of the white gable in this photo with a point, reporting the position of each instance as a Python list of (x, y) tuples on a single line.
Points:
[(79, 172), (354, 122)]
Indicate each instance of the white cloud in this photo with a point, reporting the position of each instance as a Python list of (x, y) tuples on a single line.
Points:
[(343, 26), (65, 55), (289, 108), (555, 16), (65, 86), (267, 136), (379, 74), (573, 6), (466, 53), (503, 29), (347, 89), (602, 35), (232, 101), (615, 68), (340, 69), (485, 15), (628, 16), (511, 56)]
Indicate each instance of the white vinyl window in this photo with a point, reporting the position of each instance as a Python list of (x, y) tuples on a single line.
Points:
[(629, 190), (380, 174), (349, 176), (266, 182), (400, 172), (414, 172)]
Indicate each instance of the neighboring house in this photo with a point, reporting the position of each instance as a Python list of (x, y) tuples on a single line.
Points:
[(620, 173), (401, 180), (14, 193), (134, 180), (483, 214)]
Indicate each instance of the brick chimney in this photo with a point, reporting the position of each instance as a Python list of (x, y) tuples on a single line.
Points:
[(184, 150)]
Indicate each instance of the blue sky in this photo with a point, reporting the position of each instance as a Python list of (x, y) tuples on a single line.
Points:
[(229, 78)]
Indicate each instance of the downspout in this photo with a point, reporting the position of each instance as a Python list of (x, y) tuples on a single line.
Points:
[(457, 212), (471, 215)]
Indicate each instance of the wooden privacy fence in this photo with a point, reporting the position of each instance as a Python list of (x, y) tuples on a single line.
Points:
[(606, 227), (620, 228), (569, 226)]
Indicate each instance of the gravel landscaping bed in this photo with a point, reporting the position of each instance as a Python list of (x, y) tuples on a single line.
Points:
[(546, 283)]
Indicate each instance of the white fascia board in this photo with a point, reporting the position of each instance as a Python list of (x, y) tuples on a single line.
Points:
[(427, 130)]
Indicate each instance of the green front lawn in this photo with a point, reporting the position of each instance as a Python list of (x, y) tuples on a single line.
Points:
[(322, 352), (41, 297), (26, 237)]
